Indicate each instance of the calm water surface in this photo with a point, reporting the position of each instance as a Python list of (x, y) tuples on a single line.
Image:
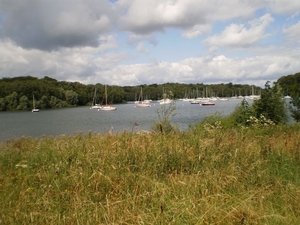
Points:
[(54, 122)]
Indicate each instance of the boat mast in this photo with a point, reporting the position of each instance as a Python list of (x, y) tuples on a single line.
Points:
[(33, 103), (105, 94)]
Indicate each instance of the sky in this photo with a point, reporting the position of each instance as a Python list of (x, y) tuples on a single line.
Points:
[(136, 42)]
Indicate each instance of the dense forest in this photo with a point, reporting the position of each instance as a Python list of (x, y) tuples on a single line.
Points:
[(17, 93), (290, 84)]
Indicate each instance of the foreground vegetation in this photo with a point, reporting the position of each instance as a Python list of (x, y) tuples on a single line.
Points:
[(207, 175), (241, 169)]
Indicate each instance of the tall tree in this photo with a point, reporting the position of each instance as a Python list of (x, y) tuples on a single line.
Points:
[(12, 101), (71, 97), (271, 104), (23, 103)]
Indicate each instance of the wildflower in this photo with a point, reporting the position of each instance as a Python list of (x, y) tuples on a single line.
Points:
[(22, 164)]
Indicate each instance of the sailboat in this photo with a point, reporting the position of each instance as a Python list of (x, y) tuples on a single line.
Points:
[(107, 107), (207, 101), (165, 100), (140, 103), (94, 104), (33, 104)]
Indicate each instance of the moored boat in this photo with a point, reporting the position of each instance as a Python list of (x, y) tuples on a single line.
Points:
[(33, 104), (207, 103), (195, 101), (141, 102), (165, 101), (107, 107), (94, 103)]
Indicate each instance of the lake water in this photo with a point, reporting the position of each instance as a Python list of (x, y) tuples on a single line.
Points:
[(54, 122)]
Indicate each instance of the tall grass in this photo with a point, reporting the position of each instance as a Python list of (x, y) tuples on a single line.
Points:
[(207, 175)]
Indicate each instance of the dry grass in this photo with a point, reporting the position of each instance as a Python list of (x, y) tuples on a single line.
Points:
[(204, 176)]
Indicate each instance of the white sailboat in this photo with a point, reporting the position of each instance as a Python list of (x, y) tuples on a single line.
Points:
[(94, 104), (165, 100), (33, 104), (140, 103), (107, 107)]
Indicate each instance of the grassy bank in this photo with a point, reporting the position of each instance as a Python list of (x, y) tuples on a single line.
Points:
[(208, 175)]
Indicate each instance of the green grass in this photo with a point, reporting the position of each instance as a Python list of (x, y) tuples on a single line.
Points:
[(207, 175)]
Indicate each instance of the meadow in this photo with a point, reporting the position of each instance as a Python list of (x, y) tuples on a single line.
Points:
[(209, 174)]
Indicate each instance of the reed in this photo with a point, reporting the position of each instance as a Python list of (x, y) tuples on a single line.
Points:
[(207, 175)]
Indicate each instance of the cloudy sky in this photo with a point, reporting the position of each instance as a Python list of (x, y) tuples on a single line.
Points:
[(133, 42)]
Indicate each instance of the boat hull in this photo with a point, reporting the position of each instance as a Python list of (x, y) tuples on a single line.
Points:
[(208, 104), (143, 105), (108, 108), (96, 107)]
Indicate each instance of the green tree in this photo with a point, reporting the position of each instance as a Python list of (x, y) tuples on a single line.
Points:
[(44, 102), (23, 103), (2, 104), (71, 97), (54, 102), (12, 101), (242, 113), (271, 105), (57, 103), (290, 84)]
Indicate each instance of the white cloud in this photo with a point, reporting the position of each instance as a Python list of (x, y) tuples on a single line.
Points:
[(68, 63), (109, 60), (141, 48), (148, 16), (293, 33), (239, 35), (284, 7), (97, 41), (196, 31), (217, 69)]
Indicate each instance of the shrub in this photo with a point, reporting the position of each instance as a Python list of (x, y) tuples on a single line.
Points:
[(270, 109), (163, 124), (271, 105), (261, 121), (242, 114)]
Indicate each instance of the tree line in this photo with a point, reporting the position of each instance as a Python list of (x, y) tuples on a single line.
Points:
[(17, 93), (290, 86)]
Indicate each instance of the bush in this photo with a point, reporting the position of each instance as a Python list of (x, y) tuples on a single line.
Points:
[(270, 109), (242, 114), (164, 125), (271, 105)]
